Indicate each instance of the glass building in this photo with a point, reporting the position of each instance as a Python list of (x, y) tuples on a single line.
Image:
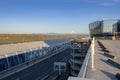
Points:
[(95, 28), (107, 26), (116, 28), (103, 28)]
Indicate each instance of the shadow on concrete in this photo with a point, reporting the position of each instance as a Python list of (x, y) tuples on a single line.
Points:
[(114, 63), (105, 50), (101, 53), (107, 55), (105, 61), (109, 75)]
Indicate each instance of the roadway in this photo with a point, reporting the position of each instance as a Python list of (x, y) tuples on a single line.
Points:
[(42, 69)]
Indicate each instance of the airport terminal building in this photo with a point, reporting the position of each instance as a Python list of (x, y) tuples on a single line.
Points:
[(104, 28)]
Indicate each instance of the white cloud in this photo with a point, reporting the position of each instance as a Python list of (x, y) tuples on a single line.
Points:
[(107, 4)]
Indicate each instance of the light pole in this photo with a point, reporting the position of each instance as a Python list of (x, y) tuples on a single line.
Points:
[(93, 52)]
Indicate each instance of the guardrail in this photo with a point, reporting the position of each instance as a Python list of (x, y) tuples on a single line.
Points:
[(83, 69)]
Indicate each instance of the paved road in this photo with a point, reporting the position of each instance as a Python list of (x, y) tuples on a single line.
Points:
[(40, 70)]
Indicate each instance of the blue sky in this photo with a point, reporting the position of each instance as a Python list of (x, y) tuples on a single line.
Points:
[(59, 16)]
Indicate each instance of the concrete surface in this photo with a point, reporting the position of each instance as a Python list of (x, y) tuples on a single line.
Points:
[(103, 69)]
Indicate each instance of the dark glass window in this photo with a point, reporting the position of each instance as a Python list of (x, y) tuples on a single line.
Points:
[(3, 64), (63, 67), (56, 66), (21, 58)]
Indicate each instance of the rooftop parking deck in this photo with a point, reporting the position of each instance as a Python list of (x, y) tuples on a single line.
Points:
[(103, 69), (112, 46), (106, 62)]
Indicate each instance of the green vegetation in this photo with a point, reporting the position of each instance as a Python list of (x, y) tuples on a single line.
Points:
[(20, 38)]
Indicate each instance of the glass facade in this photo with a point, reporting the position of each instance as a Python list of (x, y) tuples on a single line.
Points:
[(116, 27), (95, 28), (107, 26), (104, 28)]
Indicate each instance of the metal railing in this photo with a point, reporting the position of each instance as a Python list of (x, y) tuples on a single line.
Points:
[(83, 69)]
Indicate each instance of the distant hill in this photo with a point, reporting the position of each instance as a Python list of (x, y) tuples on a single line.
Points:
[(20, 38), (77, 34)]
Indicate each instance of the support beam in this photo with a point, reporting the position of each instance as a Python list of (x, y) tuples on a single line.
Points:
[(92, 53)]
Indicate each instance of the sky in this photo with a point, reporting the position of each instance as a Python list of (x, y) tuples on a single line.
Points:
[(54, 16)]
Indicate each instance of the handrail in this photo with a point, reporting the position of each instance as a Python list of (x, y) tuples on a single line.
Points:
[(83, 69)]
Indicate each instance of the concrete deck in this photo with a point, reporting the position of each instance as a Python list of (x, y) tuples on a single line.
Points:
[(103, 69), (112, 46), (77, 78)]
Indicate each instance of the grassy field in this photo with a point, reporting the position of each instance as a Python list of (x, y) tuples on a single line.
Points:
[(20, 38)]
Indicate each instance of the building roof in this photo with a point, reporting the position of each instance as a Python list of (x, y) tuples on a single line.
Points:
[(103, 69), (11, 49)]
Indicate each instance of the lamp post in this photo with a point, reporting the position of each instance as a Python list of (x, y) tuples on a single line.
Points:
[(93, 52)]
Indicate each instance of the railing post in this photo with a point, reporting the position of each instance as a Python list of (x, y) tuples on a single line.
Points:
[(6, 56), (93, 52)]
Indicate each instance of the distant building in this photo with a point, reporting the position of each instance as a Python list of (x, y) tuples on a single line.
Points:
[(104, 28), (95, 28), (116, 28)]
